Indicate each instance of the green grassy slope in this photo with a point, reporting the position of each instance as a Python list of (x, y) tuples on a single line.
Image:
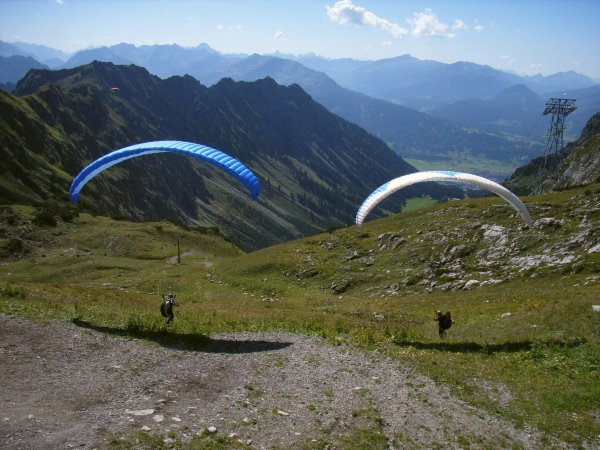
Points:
[(525, 343)]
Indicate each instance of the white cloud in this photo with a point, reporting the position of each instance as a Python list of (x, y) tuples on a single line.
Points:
[(459, 25), (386, 43), (60, 2), (345, 12), (508, 60), (479, 28), (426, 24), (221, 27), (278, 36)]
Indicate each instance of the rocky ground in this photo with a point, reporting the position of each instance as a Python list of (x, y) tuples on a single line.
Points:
[(66, 385)]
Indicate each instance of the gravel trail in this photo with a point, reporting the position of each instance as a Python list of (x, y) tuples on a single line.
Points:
[(70, 386)]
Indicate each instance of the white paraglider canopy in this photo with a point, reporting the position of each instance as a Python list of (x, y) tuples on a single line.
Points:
[(456, 177)]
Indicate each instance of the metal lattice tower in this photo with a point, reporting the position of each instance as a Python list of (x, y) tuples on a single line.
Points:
[(559, 108)]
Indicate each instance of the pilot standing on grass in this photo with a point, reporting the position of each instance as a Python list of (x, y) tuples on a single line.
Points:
[(166, 307)]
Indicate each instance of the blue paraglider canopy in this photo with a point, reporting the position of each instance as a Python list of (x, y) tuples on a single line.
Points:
[(215, 157)]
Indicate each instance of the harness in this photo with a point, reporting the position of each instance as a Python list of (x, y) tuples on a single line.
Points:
[(166, 307)]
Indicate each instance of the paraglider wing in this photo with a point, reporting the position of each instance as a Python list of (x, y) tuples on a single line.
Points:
[(215, 157), (398, 183)]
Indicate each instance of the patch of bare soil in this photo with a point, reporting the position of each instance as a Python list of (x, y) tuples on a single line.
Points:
[(67, 386)]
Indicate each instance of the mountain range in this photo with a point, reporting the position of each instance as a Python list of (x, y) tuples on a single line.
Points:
[(451, 95), (423, 84), (314, 167)]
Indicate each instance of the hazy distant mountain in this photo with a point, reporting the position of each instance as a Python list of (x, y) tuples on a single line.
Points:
[(490, 99), (46, 55), (13, 68), (161, 60), (410, 133), (515, 110), (49, 57), (334, 68), (7, 49), (117, 54), (404, 79), (374, 77), (314, 167), (8, 86), (558, 82), (424, 84)]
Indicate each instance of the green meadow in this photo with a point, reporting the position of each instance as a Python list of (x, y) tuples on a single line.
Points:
[(526, 347)]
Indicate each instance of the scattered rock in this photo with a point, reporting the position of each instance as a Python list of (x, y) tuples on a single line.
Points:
[(547, 222), (490, 282), (595, 248), (456, 251), (212, 429), (339, 287), (506, 314), (140, 412), (471, 283), (378, 317), (351, 256), (596, 308), (390, 241), (328, 245)]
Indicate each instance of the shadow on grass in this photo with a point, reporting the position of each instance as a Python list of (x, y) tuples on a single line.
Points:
[(473, 347), (180, 341), (468, 347)]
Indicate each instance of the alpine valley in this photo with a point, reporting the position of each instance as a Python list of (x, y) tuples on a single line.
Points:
[(314, 167)]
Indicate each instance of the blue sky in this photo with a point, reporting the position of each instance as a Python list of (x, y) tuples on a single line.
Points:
[(524, 36)]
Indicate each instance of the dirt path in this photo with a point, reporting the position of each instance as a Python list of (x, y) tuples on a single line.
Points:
[(67, 386)]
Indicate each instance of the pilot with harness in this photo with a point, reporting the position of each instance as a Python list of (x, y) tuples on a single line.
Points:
[(166, 307), (444, 322)]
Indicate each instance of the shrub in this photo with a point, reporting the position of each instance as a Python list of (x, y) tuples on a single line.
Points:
[(12, 246), (44, 217), (10, 292), (48, 212)]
